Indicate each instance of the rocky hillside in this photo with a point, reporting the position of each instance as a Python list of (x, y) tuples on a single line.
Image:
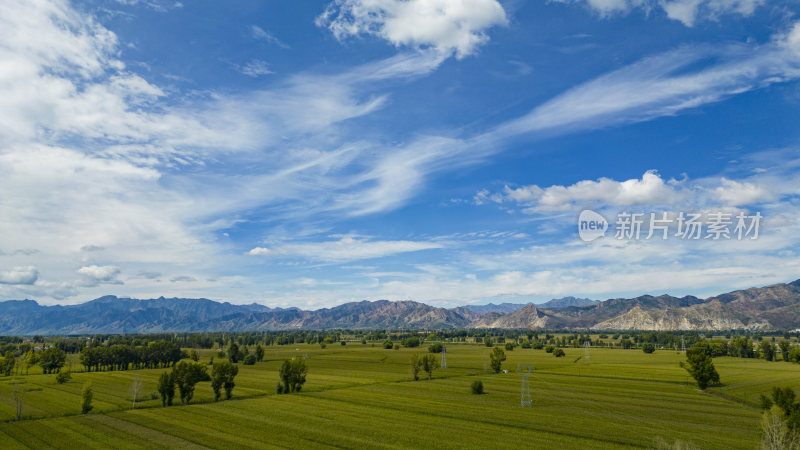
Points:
[(766, 308)]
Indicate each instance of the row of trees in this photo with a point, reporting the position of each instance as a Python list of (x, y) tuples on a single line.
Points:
[(123, 357)]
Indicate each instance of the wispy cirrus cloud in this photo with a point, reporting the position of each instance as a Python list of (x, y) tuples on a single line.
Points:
[(345, 249), (687, 12)]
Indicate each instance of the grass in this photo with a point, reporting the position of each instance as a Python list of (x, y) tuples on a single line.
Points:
[(358, 396)]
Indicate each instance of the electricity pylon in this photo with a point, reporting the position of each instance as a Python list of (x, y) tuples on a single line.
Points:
[(444, 357), (525, 392)]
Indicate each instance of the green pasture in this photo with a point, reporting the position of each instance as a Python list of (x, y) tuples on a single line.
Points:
[(360, 396)]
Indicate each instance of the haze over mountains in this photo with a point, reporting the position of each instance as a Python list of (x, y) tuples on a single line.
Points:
[(766, 308)]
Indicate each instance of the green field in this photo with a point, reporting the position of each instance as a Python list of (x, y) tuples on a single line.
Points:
[(362, 396)]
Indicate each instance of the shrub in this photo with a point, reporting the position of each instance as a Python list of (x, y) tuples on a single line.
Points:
[(538, 345), (648, 347), (397, 346), (411, 342), (63, 377), (86, 398), (497, 356), (343, 343), (509, 346), (488, 342), (435, 348), (387, 344), (249, 360), (558, 353), (549, 349), (322, 345), (526, 344), (477, 387)]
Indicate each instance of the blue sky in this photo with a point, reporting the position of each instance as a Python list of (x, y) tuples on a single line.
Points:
[(313, 153)]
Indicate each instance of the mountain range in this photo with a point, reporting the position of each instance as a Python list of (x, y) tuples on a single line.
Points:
[(771, 307), (511, 307)]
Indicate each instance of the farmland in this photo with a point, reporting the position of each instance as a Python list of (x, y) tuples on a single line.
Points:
[(363, 396)]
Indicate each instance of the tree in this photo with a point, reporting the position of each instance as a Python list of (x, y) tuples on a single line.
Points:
[(388, 344), (166, 387), (767, 350), (648, 347), (496, 358), (233, 352), (775, 434), (52, 360), (700, 366), (429, 364), (7, 363), (187, 375), (63, 377), (435, 348), (416, 366), (559, 352), (136, 389), (31, 359), (785, 399), (477, 387), (259, 353), (249, 360), (509, 346), (293, 375), (86, 398), (222, 378), (194, 355), (784, 346)]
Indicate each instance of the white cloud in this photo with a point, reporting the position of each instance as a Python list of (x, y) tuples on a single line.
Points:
[(96, 275), (649, 190), (255, 68), (734, 193), (448, 26), (347, 248), (264, 35), (687, 12), (658, 86), (19, 275), (259, 251)]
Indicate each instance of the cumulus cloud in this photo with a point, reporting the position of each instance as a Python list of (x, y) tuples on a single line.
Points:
[(687, 12), (447, 26), (19, 275), (650, 189), (259, 251), (734, 193), (96, 275)]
